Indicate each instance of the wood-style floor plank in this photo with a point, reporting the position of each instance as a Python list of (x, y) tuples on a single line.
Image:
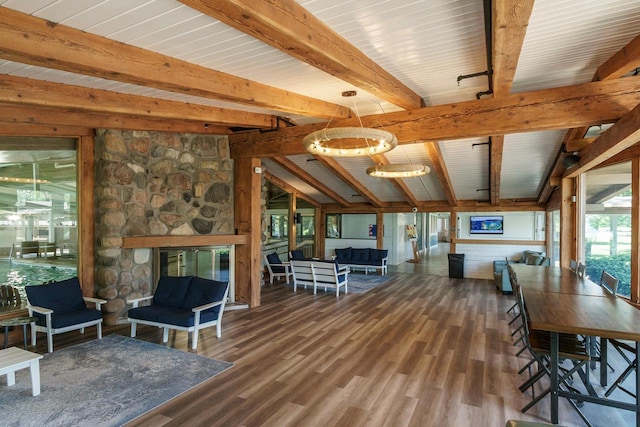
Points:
[(419, 350)]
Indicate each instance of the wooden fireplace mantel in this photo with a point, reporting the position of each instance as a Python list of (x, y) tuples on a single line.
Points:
[(139, 242)]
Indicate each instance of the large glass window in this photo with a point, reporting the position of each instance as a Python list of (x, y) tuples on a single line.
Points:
[(608, 224), (38, 210)]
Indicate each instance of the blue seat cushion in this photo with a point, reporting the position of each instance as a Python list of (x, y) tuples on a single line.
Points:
[(69, 318), (359, 256), (204, 291), (61, 297), (298, 255), (376, 255), (171, 291), (273, 258), (343, 256), (170, 315)]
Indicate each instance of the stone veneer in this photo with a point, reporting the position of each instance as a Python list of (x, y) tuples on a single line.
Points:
[(154, 184)]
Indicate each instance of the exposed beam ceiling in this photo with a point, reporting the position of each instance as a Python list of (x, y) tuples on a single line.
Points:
[(23, 91), (35, 41), (289, 27), (524, 112)]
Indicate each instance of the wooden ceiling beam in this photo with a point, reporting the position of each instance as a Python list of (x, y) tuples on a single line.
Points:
[(510, 21), (290, 189), (617, 65), (289, 27), (30, 40), (496, 149), (338, 170), (623, 61), (12, 129), (440, 168), (306, 177), (622, 135), (398, 183), (559, 108), (23, 116), (23, 91)]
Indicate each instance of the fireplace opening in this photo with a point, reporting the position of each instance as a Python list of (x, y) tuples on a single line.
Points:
[(208, 262)]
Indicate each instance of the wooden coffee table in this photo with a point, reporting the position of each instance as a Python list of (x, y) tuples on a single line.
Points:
[(13, 359)]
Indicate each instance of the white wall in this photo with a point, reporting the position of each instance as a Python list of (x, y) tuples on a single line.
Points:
[(517, 226), (478, 258), (355, 234), (478, 262), (395, 237)]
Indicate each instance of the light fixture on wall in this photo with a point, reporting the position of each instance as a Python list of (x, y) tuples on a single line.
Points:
[(400, 170), (372, 141), (569, 160)]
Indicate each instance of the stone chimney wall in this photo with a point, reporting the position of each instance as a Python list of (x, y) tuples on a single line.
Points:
[(154, 184)]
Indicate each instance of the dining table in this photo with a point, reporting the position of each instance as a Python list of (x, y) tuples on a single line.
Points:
[(559, 301)]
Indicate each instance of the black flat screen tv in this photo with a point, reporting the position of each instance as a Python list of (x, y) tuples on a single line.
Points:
[(487, 225)]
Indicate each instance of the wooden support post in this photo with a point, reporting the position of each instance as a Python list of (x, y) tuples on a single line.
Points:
[(568, 249), (247, 222), (86, 215), (635, 229)]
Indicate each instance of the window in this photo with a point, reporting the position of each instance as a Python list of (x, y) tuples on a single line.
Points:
[(608, 224)]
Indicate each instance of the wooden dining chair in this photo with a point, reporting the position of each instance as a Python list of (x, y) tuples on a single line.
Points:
[(580, 270), (609, 283)]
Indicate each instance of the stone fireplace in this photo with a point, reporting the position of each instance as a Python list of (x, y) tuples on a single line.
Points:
[(173, 188)]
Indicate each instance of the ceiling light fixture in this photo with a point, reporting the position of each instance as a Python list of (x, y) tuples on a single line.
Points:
[(406, 170), (376, 141)]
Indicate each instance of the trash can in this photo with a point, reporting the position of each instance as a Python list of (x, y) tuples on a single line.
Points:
[(456, 266)]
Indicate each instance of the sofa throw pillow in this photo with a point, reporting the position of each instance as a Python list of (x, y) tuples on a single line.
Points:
[(377, 254), (534, 259), (275, 259), (62, 297), (171, 290), (204, 291), (359, 256), (343, 256)]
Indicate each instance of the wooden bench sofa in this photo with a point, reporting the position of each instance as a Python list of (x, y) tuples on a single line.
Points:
[(186, 303), (325, 274)]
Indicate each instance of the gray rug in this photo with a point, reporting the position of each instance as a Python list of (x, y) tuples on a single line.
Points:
[(104, 382), (360, 283)]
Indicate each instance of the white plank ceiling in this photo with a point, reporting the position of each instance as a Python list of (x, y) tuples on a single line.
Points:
[(426, 44)]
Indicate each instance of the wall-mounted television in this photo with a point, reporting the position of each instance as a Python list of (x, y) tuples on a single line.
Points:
[(487, 225)]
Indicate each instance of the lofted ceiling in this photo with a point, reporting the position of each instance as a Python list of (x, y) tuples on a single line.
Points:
[(266, 73)]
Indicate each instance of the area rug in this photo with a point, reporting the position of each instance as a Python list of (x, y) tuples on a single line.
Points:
[(105, 382), (360, 283)]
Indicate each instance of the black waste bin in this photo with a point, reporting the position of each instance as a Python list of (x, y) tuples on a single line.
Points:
[(456, 266)]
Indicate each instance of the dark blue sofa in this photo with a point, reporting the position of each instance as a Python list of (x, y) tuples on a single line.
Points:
[(186, 303), (363, 258), (60, 307)]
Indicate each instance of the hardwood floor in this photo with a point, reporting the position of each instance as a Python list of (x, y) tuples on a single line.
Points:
[(419, 350)]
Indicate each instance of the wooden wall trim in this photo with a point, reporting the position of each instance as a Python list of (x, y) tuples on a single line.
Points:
[(499, 242), (137, 242)]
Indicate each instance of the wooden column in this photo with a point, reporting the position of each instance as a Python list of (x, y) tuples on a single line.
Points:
[(380, 230), (568, 248), (247, 222), (293, 207), (321, 232), (635, 229), (86, 214)]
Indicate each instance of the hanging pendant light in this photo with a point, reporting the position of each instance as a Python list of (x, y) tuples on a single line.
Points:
[(371, 141), (400, 170)]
